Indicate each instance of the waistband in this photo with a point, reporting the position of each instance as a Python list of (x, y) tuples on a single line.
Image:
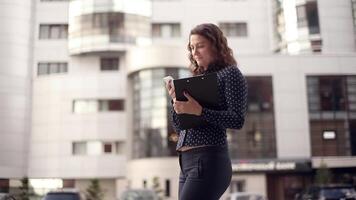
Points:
[(205, 149)]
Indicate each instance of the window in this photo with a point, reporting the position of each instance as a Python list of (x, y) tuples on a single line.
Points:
[(332, 101), (353, 4), (85, 106), (307, 16), (53, 31), (44, 68), (257, 138), (166, 30), (93, 106), (4, 185), (260, 97), (167, 192), (332, 93), (95, 147), (108, 148), (79, 148), (327, 93), (313, 17), (68, 183), (302, 16), (111, 105), (109, 64), (234, 29)]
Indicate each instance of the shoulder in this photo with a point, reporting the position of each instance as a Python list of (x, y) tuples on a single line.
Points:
[(231, 72)]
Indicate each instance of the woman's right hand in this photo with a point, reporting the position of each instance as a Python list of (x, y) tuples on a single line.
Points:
[(170, 89)]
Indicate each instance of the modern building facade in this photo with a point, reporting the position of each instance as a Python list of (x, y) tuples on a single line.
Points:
[(82, 95)]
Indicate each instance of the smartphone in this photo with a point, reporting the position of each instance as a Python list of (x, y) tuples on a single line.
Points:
[(167, 79)]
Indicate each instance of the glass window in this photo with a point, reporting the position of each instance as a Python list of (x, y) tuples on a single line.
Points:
[(120, 147), (237, 29), (167, 191), (53, 31), (63, 67), (92, 106), (109, 64), (79, 148), (53, 68), (44, 32), (44, 68), (108, 148), (94, 147), (313, 17), (111, 105), (331, 100), (257, 138), (85, 106), (166, 30), (332, 93), (260, 94), (302, 16)]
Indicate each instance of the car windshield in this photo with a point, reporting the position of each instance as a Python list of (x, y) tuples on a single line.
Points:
[(61, 196), (337, 192)]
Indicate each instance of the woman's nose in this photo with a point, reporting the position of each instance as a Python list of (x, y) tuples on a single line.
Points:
[(194, 52)]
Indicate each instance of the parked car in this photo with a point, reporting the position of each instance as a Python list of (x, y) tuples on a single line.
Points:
[(5, 196), (245, 196), (139, 194), (330, 192), (62, 195)]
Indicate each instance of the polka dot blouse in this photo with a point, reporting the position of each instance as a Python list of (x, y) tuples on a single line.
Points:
[(230, 112)]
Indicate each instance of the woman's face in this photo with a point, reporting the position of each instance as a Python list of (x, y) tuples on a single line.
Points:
[(201, 50)]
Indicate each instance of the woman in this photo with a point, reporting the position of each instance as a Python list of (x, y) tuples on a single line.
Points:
[(203, 155)]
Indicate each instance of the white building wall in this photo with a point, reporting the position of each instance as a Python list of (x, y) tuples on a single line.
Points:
[(336, 26), (191, 13), (54, 126), (290, 93), (16, 19)]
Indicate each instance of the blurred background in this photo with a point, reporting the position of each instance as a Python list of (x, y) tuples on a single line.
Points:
[(83, 104)]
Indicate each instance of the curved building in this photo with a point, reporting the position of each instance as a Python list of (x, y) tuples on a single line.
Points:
[(82, 95), (79, 118), (152, 140)]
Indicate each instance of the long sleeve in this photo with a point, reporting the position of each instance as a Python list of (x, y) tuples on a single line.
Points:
[(235, 91), (175, 121)]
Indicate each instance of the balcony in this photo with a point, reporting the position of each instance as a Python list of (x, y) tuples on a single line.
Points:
[(108, 25)]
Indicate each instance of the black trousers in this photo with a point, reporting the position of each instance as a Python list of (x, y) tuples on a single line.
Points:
[(205, 173)]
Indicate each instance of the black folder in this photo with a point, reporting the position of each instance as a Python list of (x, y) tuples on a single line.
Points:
[(204, 89)]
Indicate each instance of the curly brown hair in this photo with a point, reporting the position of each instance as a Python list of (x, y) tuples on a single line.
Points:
[(218, 41)]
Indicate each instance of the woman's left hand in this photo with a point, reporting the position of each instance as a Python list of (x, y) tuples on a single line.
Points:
[(187, 107)]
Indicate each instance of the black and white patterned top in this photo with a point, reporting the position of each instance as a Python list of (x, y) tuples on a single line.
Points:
[(230, 112)]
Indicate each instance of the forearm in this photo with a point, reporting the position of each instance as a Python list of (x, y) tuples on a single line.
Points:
[(225, 118)]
